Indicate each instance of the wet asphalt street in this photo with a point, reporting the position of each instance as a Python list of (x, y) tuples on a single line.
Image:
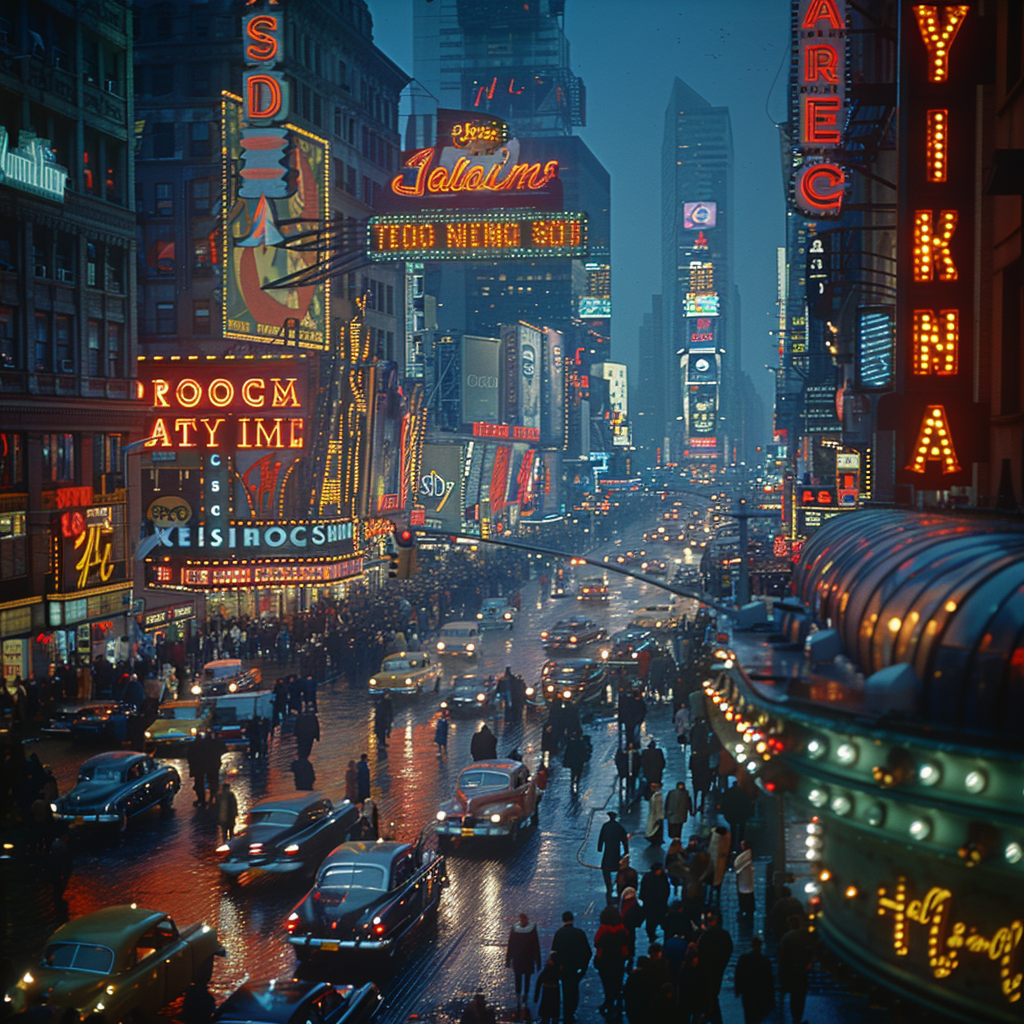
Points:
[(168, 862)]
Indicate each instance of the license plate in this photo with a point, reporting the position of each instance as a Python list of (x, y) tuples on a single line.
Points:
[(467, 831), (330, 947)]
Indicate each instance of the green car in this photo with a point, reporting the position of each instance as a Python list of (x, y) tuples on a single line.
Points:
[(119, 964)]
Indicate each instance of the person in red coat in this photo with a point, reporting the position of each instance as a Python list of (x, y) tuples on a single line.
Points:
[(611, 945)]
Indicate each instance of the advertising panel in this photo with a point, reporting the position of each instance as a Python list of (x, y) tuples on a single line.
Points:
[(440, 491), (701, 409), (549, 484), (472, 131), (700, 305), (530, 361), (500, 477), (702, 367), (875, 347), (276, 185), (476, 235), (553, 390), (702, 332), (592, 307), (389, 411), (697, 216), (92, 547), (481, 371), (510, 374)]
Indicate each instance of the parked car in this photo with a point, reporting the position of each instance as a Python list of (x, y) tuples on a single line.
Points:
[(496, 613), (232, 713), (570, 634), (118, 964), (113, 787), (470, 692), (299, 1002), (178, 721), (572, 681), (593, 588), (286, 835), (93, 720), (370, 897), (406, 672), (226, 676), (459, 638), (492, 798)]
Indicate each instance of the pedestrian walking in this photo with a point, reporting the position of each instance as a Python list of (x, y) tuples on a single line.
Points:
[(639, 993), (478, 1012), (545, 993), (611, 950), (654, 894), (352, 783), (655, 816), (613, 845), (795, 956), (380, 724), (754, 984), (652, 763), (363, 773), (305, 776), (682, 723), (307, 732), (197, 769), (441, 734), (678, 806), (714, 948), (626, 877), (575, 757), (718, 852), (572, 952), (227, 811), (484, 745), (522, 954), (213, 751), (743, 865)]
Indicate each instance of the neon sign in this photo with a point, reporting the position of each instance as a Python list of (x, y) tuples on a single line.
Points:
[(454, 235), (503, 430), (466, 176), (820, 95)]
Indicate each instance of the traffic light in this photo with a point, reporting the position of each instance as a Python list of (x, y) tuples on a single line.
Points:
[(403, 558)]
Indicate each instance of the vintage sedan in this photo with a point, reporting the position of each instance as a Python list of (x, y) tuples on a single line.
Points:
[(178, 721), (368, 897), (657, 616), (299, 1002), (492, 798), (571, 681), (459, 638), (496, 613), (570, 634), (624, 647), (287, 835), (107, 721), (226, 676), (470, 692), (113, 787), (406, 672), (118, 964), (594, 588)]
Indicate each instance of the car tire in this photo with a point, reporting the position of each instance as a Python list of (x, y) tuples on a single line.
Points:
[(167, 802)]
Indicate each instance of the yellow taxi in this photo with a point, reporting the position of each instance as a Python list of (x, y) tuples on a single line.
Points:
[(179, 721), (407, 671)]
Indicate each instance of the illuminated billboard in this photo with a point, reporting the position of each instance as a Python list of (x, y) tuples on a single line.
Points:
[(388, 415), (701, 367), (702, 332), (530, 363), (471, 131), (440, 490), (553, 390), (484, 235), (263, 205), (701, 409), (481, 376), (700, 305), (697, 216), (594, 307)]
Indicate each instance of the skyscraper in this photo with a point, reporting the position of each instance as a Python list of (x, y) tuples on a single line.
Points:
[(699, 297)]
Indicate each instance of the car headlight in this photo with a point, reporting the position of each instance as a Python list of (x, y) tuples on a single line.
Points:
[(441, 815), (148, 734), (444, 704), (196, 690), (291, 849), (551, 688), (481, 696), (440, 645), (471, 647), (408, 681), (566, 694), (495, 818), (195, 731), (530, 691), (232, 687), (508, 616), (479, 615), (544, 635), (373, 682), (53, 807), (604, 655)]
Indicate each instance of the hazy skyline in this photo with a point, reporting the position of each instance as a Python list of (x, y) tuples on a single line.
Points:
[(628, 52)]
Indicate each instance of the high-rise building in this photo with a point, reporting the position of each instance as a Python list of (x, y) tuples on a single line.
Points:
[(67, 334), (649, 415), (700, 308)]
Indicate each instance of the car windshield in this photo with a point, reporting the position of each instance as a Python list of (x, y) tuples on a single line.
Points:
[(469, 684), (456, 632), (100, 773), (178, 713), (478, 781), (354, 876), (78, 956), (274, 817), (401, 664)]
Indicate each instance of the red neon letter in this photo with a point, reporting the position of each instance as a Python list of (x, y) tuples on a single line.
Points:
[(419, 161), (257, 107), (821, 114), (818, 9), (820, 187), (938, 32), (820, 62), (263, 46)]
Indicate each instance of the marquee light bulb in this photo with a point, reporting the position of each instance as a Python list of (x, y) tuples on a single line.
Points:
[(818, 797), (1013, 853), (937, 145), (935, 344), (920, 829), (929, 773), (875, 814), (976, 781), (846, 753)]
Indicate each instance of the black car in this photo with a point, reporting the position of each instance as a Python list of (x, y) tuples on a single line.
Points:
[(572, 633), (624, 646), (372, 897), (97, 720), (285, 835), (114, 786), (299, 1002), (572, 681)]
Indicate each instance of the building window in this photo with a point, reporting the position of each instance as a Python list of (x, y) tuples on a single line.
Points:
[(343, 74), (92, 264), (350, 182), (318, 109), (62, 335), (94, 363), (58, 458), (390, 345), (106, 463), (161, 79), (43, 357), (13, 545), (115, 343), (337, 122), (390, 307), (199, 79), (163, 140), (200, 317), (12, 462), (8, 349), (199, 143), (114, 269), (200, 22), (164, 199), (166, 321)]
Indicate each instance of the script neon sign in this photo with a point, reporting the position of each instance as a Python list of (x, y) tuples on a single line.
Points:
[(466, 176)]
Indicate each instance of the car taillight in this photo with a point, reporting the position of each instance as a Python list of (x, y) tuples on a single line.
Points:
[(572, 639), (255, 847), (293, 920), (223, 848), (291, 849), (379, 929), (544, 635)]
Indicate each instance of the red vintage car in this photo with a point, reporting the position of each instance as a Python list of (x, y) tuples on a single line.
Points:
[(492, 798)]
